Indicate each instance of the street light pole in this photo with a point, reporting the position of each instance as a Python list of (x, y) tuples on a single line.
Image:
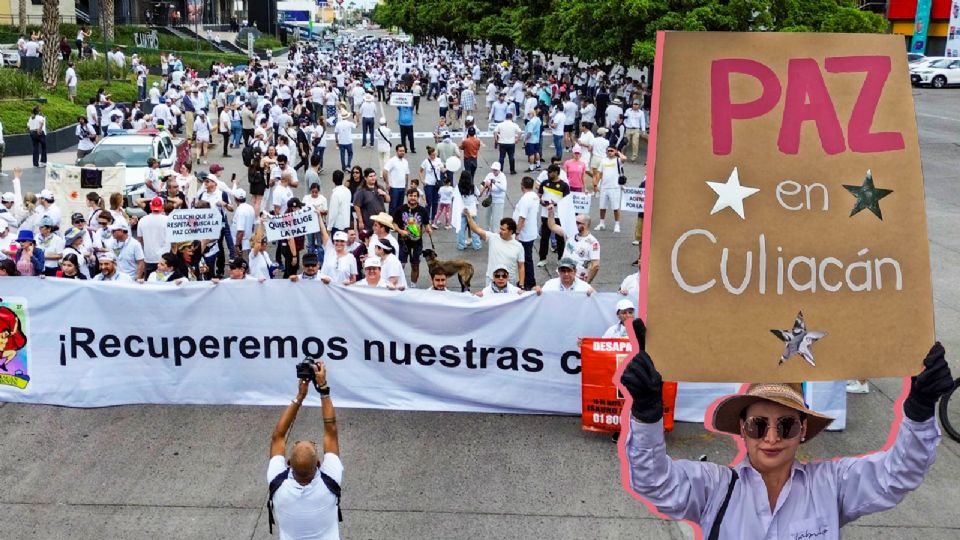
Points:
[(106, 59)]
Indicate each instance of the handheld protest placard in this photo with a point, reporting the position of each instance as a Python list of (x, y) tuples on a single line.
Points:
[(787, 236)]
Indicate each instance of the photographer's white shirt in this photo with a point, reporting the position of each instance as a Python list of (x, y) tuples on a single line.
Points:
[(306, 512)]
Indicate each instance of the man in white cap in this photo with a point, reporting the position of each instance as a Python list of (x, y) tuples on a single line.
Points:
[(371, 273), (384, 146), (567, 280), (127, 252), (625, 313), (47, 208), (108, 269), (244, 219), (368, 115), (500, 283), (7, 216)]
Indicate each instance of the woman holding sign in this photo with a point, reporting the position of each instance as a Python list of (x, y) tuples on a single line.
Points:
[(771, 494)]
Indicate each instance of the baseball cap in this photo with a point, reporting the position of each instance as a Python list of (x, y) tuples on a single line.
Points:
[(376, 243), (239, 193), (567, 262), (577, 149), (311, 259), (383, 120), (340, 235), (156, 203), (371, 262), (238, 262), (501, 267), (216, 168), (624, 304), (106, 256), (8, 197), (118, 227), (77, 216), (47, 221), (46, 194), (495, 166)]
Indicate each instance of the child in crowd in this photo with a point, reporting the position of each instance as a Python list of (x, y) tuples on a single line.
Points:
[(445, 206)]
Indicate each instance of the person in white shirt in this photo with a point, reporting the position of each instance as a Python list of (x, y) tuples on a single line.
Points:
[(244, 220), (304, 501), (47, 207), (372, 274), (614, 110), (500, 283), (127, 251), (635, 122), (70, 79), (505, 250), (201, 135), (344, 134), (391, 267), (108, 269), (154, 94), (316, 201), (86, 137), (494, 184), (506, 135), (384, 146), (625, 312), (152, 233), (567, 280), (37, 126), (557, 122), (339, 206), (583, 249), (396, 174), (526, 214), (606, 182), (570, 110)]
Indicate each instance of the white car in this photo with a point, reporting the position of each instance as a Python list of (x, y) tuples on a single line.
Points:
[(11, 57), (921, 64), (939, 74), (132, 149)]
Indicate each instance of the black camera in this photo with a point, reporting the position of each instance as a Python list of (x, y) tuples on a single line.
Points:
[(305, 370)]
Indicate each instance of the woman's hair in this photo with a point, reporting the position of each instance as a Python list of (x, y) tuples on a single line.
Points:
[(171, 260), (465, 184), (95, 198), (356, 169), (71, 258), (116, 200)]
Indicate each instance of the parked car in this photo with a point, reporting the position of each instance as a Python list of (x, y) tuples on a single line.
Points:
[(132, 149), (922, 64), (11, 57), (940, 74), (912, 58)]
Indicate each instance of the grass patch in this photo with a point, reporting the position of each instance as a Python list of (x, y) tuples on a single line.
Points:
[(59, 111), (266, 41)]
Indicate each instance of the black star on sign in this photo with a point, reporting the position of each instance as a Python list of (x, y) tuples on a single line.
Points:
[(868, 197)]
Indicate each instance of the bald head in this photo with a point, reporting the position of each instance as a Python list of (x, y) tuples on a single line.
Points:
[(304, 462)]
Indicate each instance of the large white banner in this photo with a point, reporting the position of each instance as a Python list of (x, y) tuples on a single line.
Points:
[(90, 344)]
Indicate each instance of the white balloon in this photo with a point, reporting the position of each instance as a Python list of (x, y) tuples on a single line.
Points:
[(454, 164)]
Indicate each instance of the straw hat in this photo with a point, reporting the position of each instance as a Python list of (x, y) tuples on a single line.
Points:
[(726, 417), (384, 219)]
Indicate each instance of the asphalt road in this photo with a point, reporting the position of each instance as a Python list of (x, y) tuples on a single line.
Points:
[(199, 472)]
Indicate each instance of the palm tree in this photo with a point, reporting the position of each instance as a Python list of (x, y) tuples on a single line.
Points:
[(51, 42), (106, 11), (22, 12)]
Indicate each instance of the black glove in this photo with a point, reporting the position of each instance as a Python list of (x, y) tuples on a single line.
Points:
[(643, 381), (927, 387)]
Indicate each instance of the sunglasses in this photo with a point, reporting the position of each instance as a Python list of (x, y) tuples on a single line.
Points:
[(500, 275), (79, 221), (788, 427)]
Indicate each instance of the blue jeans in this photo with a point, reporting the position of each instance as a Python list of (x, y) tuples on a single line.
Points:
[(367, 125), (318, 151), (314, 245), (236, 131), (462, 235), (470, 165), (396, 198), (433, 198), (346, 156), (558, 144)]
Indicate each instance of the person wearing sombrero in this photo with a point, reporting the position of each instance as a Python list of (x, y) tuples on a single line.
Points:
[(771, 494)]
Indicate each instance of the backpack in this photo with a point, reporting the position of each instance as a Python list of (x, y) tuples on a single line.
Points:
[(247, 155), (331, 484)]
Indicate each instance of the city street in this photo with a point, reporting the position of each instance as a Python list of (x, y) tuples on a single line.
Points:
[(200, 472)]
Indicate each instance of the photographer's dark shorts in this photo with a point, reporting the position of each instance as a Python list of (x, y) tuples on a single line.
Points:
[(568, 128), (413, 249), (532, 149)]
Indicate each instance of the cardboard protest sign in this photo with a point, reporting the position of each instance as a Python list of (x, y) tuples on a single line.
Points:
[(70, 185), (602, 401), (293, 224), (188, 225), (786, 237), (632, 199), (401, 99)]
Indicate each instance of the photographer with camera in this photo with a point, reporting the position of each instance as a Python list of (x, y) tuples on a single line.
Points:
[(305, 489)]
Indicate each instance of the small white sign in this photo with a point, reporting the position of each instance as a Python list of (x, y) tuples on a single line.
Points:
[(633, 199), (196, 224), (581, 202), (293, 224), (401, 99)]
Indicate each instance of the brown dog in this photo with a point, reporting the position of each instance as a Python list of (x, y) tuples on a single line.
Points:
[(460, 267)]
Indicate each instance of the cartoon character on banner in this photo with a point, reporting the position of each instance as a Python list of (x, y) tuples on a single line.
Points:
[(13, 342)]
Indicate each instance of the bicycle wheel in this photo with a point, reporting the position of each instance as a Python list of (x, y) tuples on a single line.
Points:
[(950, 412)]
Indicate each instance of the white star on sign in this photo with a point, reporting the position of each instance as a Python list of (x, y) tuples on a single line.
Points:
[(731, 194)]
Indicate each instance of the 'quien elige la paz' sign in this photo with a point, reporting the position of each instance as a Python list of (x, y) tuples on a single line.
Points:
[(786, 225)]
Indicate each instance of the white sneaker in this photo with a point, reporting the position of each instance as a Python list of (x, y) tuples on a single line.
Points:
[(616, 227), (541, 264), (635, 242), (856, 387), (600, 227)]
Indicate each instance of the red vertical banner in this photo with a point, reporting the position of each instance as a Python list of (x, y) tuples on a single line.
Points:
[(602, 402)]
